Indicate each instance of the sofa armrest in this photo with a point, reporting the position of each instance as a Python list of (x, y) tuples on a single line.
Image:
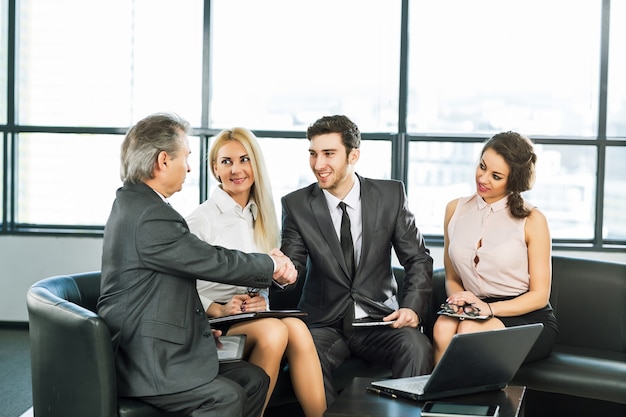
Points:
[(60, 330)]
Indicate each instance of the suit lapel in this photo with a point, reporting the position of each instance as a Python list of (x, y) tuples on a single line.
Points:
[(319, 208), (369, 214)]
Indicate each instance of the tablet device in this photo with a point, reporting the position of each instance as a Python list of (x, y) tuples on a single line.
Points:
[(441, 409), (367, 322), (230, 348)]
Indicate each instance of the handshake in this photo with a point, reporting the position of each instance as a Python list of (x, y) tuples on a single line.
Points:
[(285, 272)]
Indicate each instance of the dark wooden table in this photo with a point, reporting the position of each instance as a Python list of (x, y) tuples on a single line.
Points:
[(356, 401)]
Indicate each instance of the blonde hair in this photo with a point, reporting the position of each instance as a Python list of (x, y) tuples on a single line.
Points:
[(266, 232)]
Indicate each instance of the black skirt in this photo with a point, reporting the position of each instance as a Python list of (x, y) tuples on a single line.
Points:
[(547, 338)]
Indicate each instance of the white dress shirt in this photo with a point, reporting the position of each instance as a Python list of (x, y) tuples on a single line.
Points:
[(353, 204), (220, 221)]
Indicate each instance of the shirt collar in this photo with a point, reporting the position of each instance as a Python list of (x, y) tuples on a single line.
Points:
[(160, 195), (351, 199), (226, 203), (494, 207)]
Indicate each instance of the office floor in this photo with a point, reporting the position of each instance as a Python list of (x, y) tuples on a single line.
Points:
[(15, 388)]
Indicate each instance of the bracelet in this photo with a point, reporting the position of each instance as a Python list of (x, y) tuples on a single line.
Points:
[(490, 310)]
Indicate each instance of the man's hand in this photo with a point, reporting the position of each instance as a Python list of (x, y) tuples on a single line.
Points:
[(404, 317), (216, 335), (285, 272)]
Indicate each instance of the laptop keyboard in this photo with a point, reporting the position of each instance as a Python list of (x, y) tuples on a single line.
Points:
[(413, 386)]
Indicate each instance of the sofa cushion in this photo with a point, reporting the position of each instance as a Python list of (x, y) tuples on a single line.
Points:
[(579, 373)]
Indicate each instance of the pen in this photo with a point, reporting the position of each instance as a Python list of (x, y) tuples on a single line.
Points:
[(381, 392)]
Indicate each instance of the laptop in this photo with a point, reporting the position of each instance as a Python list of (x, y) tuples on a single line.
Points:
[(473, 362)]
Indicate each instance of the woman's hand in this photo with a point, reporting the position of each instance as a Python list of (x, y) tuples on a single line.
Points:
[(244, 303), (462, 298)]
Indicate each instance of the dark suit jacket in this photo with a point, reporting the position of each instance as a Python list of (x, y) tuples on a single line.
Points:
[(309, 239), (150, 262)]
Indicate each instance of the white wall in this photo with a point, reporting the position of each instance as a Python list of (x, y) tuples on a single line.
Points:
[(27, 259)]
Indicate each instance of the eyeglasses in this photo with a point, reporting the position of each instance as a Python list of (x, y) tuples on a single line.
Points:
[(253, 292), (466, 308)]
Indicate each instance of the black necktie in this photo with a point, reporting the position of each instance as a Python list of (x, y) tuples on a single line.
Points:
[(346, 240), (347, 247)]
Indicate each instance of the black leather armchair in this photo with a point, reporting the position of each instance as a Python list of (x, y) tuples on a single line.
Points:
[(73, 374)]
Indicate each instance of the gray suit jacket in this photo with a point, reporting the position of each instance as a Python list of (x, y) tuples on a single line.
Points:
[(150, 262), (309, 239)]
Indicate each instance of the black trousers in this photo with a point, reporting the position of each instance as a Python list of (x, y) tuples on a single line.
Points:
[(406, 351), (239, 389)]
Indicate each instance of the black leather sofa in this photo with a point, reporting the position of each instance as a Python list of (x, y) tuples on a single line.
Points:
[(586, 373), (73, 372)]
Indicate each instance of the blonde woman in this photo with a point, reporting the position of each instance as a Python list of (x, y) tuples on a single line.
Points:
[(240, 215)]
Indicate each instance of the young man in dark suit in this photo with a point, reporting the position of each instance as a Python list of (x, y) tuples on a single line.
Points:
[(165, 351), (340, 288)]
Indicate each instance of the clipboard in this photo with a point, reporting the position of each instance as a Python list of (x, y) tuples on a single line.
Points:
[(241, 317)]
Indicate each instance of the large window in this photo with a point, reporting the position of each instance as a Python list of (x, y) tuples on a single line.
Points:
[(97, 64), (108, 63), (280, 64), (504, 65), (426, 81), (616, 106), (614, 219), (4, 58)]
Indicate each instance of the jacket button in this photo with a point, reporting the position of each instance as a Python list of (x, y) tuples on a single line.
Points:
[(199, 312), (206, 334)]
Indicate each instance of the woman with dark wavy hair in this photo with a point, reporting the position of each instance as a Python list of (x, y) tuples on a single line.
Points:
[(497, 250)]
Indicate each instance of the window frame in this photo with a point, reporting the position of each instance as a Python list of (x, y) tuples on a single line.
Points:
[(400, 140)]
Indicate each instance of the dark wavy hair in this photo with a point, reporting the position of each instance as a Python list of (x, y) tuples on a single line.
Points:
[(518, 152), (350, 134)]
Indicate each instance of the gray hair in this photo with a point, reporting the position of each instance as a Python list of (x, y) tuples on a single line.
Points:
[(145, 140)]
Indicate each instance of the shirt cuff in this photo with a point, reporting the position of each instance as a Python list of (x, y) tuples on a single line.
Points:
[(276, 284), (264, 293)]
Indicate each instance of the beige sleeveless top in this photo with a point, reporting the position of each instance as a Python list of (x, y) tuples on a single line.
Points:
[(488, 248)]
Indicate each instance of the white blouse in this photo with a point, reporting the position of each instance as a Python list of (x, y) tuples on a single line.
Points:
[(220, 221)]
